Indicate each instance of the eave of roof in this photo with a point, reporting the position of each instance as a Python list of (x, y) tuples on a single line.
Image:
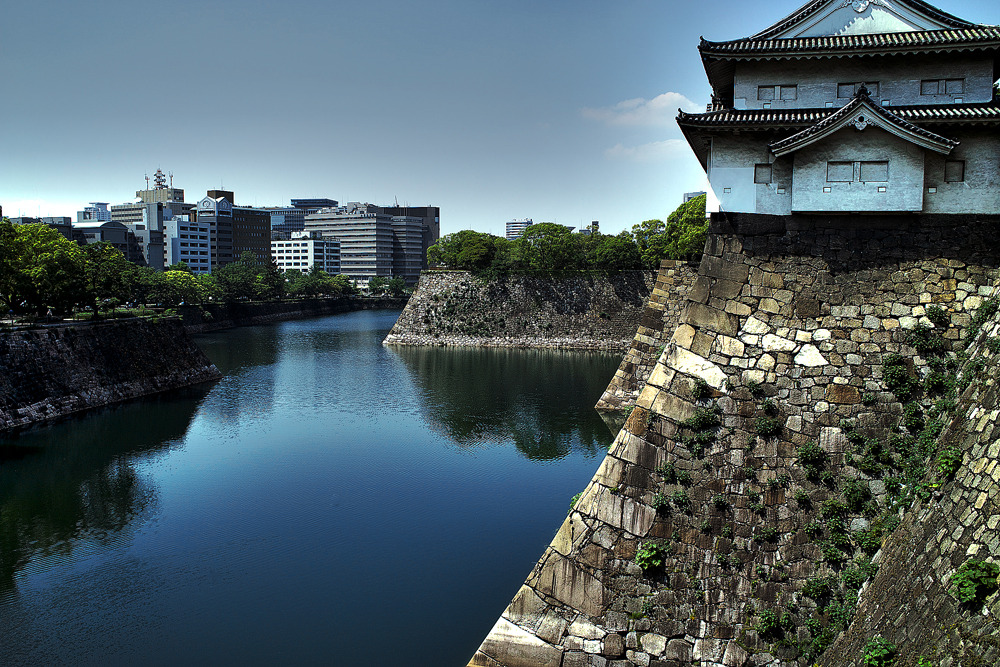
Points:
[(862, 112), (814, 6), (964, 39), (779, 119)]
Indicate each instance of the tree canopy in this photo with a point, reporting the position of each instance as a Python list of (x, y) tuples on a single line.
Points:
[(552, 248)]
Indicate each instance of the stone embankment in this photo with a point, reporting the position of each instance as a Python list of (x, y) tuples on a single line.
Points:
[(790, 468), (593, 312), (659, 319), (214, 317), (55, 371)]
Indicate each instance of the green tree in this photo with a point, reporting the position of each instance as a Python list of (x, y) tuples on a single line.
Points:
[(615, 253), (110, 277), (396, 286), (41, 270), (238, 280), (551, 247), (378, 284), (180, 287), (681, 237)]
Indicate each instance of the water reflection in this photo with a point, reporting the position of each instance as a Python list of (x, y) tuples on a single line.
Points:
[(478, 396), (77, 483)]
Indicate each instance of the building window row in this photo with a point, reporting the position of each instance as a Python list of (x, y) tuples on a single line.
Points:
[(871, 171), (778, 92)]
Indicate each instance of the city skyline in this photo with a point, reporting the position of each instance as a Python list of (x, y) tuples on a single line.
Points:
[(559, 111)]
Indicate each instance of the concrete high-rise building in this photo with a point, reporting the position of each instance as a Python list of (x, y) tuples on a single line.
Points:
[(515, 228), (430, 220), (217, 213), (251, 231), (366, 238), (189, 241), (62, 224), (145, 221), (288, 219)]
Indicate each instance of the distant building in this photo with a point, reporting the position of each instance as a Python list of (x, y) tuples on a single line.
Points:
[(305, 250), (217, 213), (688, 196), (251, 231), (515, 228), (160, 193), (145, 221), (288, 219), (115, 233), (430, 220), (96, 211), (189, 241), (61, 224), (372, 241), (593, 228)]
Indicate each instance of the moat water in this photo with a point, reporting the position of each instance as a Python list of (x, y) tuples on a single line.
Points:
[(329, 502)]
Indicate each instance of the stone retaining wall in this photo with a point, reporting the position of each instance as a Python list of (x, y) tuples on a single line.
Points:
[(586, 312), (782, 339), (55, 371), (658, 322)]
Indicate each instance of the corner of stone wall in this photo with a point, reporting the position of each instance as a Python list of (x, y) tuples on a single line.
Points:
[(659, 319), (782, 339)]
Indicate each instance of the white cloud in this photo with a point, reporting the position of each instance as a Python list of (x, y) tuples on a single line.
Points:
[(654, 152), (640, 112)]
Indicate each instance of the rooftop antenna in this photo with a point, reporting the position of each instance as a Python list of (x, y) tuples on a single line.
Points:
[(147, 181), (171, 180)]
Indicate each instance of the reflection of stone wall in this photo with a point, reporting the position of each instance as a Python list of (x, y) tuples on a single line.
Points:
[(802, 311), (52, 372), (658, 322), (214, 317), (586, 312)]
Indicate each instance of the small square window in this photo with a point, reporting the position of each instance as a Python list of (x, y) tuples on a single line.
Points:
[(762, 173), (932, 191), (789, 92), (874, 172), (954, 171), (882, 188), (827, 190), (727, 191), (929, 87), (765, 92), (781, 191), (839, 172)]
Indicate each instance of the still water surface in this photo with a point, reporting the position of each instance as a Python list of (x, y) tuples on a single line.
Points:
[(329, 502)]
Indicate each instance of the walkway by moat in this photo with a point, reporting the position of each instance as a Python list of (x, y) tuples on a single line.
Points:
[(330, 501)]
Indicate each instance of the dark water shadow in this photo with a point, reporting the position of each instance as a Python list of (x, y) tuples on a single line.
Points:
[(478, 396), (78, 477)]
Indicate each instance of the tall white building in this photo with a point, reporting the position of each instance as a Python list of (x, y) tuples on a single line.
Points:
[(516, 227), (305, 250)]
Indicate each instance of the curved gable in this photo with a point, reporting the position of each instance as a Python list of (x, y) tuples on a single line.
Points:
[(825, 18)]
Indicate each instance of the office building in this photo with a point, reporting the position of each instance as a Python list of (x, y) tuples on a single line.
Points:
[(305, 250), (160, 193), (96, 211), (188, 241), (515, 228)]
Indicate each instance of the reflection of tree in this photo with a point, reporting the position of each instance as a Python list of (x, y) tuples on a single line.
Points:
[(543, 400), (79, 482)]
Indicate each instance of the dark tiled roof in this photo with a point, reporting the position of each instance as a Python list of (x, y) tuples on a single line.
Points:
[(930, 40), (861, 99), (798, 118), (810, 8)]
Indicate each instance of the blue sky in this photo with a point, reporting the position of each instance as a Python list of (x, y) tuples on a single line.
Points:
[(493, 110)]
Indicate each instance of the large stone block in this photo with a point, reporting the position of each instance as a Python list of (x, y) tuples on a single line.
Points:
[(511, 646), (712, 319), (716, 267)]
